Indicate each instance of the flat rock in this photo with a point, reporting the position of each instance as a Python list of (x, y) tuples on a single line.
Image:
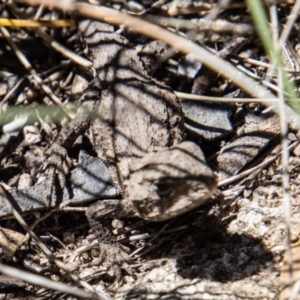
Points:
[(209, 121), (90, 180), (245, 148)]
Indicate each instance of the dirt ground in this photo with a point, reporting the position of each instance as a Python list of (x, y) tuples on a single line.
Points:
[(239, 245)]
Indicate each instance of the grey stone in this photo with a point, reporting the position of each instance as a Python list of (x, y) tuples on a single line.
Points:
[(209, 121), (90, 180)]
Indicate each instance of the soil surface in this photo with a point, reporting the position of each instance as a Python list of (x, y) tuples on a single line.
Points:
[(232, 247)]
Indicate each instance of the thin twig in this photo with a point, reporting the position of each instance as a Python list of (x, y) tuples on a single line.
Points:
[(186, 96)]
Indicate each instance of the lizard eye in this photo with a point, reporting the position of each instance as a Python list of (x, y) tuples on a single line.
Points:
[(163, 189)]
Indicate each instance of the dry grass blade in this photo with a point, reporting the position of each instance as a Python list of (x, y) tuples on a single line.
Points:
[(33, 23), (202, 24), (180, 43), (45, 282)]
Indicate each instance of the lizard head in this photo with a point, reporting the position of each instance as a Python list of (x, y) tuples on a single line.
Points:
[(170, 182)]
